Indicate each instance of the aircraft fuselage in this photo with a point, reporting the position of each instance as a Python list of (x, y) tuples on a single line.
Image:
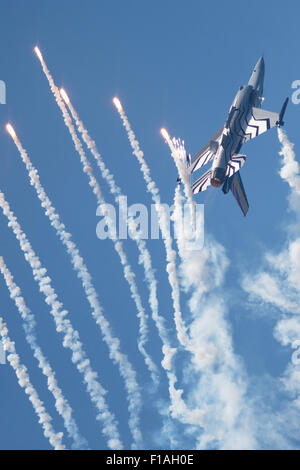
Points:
[(236, 123)]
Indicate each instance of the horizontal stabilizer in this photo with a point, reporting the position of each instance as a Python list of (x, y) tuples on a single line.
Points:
[(202, 183), (235, 164)]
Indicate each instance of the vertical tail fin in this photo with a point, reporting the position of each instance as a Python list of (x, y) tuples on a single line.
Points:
[(238, 191)]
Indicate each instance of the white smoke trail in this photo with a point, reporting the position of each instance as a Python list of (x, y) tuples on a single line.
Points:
[(216, 402), (209, 343), (283, 272), (145, 257), (179, 154), (290, 170), (210, 339), (280, 283), (128, 273), (219, 390), (177, 218), (126, 370), (163, 224), (61, 402), (277, 284), (45, 419), (71, 338), (178, 409)]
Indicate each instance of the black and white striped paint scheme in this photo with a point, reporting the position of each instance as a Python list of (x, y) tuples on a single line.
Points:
[(245, 121)]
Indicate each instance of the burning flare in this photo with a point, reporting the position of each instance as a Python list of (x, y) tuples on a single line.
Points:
[(165, 134), (117, 104), (11, 130), (64, 95), (38, 53)]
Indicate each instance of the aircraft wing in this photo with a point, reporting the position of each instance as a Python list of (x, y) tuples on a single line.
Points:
[(206, 153), (238, 191), (260, 121)]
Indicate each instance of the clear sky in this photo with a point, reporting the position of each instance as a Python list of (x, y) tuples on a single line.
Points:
[(174, 64)]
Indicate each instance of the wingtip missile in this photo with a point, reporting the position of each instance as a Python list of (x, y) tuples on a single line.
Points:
[(280, 121)]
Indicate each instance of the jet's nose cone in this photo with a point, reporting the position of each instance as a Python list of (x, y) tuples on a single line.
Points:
[(260, 66), (257, 77)]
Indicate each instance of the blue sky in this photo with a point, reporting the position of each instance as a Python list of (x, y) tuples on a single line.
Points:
[(174, 64)]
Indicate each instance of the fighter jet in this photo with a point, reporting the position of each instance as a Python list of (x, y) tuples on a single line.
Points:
[(245, 121)]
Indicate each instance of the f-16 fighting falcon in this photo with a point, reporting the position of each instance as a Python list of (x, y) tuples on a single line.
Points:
[(245, 121)]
